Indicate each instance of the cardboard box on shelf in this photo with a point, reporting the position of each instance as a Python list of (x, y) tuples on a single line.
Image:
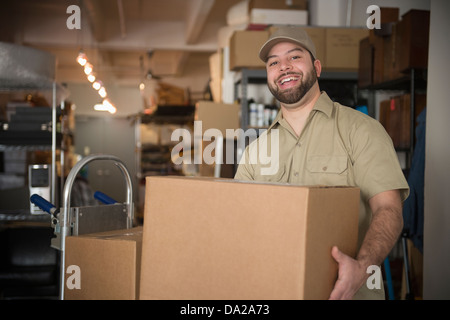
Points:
[(207, 238), (277, 16), (413, 39), (365, 70), (220, 116), (318, 36), (109, 265), (244, 49), (279, 4), (391, 64), (395, 116), (342, 48)]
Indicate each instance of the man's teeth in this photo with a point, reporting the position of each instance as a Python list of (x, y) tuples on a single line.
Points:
[(288, 79)]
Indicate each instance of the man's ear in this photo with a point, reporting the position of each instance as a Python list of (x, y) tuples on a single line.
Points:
[(318, 67)]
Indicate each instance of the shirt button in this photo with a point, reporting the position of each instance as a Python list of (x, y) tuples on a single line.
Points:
[(296, 174), (299, 144), (324, 168)]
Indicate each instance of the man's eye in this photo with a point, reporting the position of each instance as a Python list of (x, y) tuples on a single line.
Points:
[(272, 63), (295, 57)]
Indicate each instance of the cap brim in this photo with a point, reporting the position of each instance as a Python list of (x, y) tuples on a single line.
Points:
[(265, 49)]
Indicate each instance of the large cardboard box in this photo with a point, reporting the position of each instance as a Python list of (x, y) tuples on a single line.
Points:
[(244, 49), (210, 239), (342, 48), (107, 263)]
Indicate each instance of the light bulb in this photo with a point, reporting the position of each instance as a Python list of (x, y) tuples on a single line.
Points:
[(96, 85), (87, 68), (102, 92), (91, 78), (81, 59)]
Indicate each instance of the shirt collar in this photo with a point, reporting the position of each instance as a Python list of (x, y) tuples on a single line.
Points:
[(323, 104)]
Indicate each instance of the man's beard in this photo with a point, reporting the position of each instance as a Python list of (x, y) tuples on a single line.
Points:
[(293, 95)]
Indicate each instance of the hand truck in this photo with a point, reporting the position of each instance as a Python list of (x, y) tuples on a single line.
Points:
[(83, 220)]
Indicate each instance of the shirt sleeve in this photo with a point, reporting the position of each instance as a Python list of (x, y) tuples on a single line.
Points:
[(375, 162)]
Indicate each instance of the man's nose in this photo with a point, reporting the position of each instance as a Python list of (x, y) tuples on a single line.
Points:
[(285, 65)]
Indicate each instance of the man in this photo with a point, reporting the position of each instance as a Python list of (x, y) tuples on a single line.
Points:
[(323, 142)]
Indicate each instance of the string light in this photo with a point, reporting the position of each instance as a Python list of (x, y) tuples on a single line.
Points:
[(102, 92), (91, 78), (88, 68), (96, 84), (81, 59)]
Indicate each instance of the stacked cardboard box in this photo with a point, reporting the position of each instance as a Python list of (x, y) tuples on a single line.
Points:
[(336, 48), (395, 116), (206, 238), (397, 46), (103, 266)]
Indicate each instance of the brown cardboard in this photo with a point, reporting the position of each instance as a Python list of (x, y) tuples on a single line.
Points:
[(220, 116), (244, 49), (207, 238), (317, 35), (413, 39), (391, 55), (278, 4), (365, 70), (395, 116), (109, 265), (342, 48)]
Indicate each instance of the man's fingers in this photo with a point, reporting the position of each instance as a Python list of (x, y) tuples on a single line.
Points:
[(336, 254)]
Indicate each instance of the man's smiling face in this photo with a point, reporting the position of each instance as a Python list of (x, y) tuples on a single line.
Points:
[(290, 72)]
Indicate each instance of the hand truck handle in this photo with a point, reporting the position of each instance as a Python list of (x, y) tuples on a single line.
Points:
[(104, 198)]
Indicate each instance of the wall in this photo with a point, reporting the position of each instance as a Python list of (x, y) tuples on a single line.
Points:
[(437, 178), (127, 99), (112, 136)]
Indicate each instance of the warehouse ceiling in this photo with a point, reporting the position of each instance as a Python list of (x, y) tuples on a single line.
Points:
[(125, 40)]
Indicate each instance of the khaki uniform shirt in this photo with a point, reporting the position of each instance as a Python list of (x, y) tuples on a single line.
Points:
[(338, 146)]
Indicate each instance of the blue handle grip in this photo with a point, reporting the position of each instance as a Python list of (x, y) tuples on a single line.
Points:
[(104, 198), (42, 203)]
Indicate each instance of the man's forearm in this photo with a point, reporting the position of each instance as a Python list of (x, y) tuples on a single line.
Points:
[(383, 233)]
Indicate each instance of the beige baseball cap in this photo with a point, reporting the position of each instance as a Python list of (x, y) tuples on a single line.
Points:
[(288, 33)]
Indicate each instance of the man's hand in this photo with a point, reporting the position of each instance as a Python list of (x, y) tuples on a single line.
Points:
[(384, 230), (351, 276)]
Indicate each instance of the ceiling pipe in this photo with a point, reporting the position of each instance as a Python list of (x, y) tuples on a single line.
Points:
[(123, 31)]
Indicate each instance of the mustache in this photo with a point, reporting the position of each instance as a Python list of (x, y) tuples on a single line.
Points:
[(289, 73)]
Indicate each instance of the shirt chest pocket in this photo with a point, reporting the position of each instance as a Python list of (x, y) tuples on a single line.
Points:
[(329, 170)]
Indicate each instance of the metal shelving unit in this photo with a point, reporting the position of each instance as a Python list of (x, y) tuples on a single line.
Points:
[(24, 69)]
